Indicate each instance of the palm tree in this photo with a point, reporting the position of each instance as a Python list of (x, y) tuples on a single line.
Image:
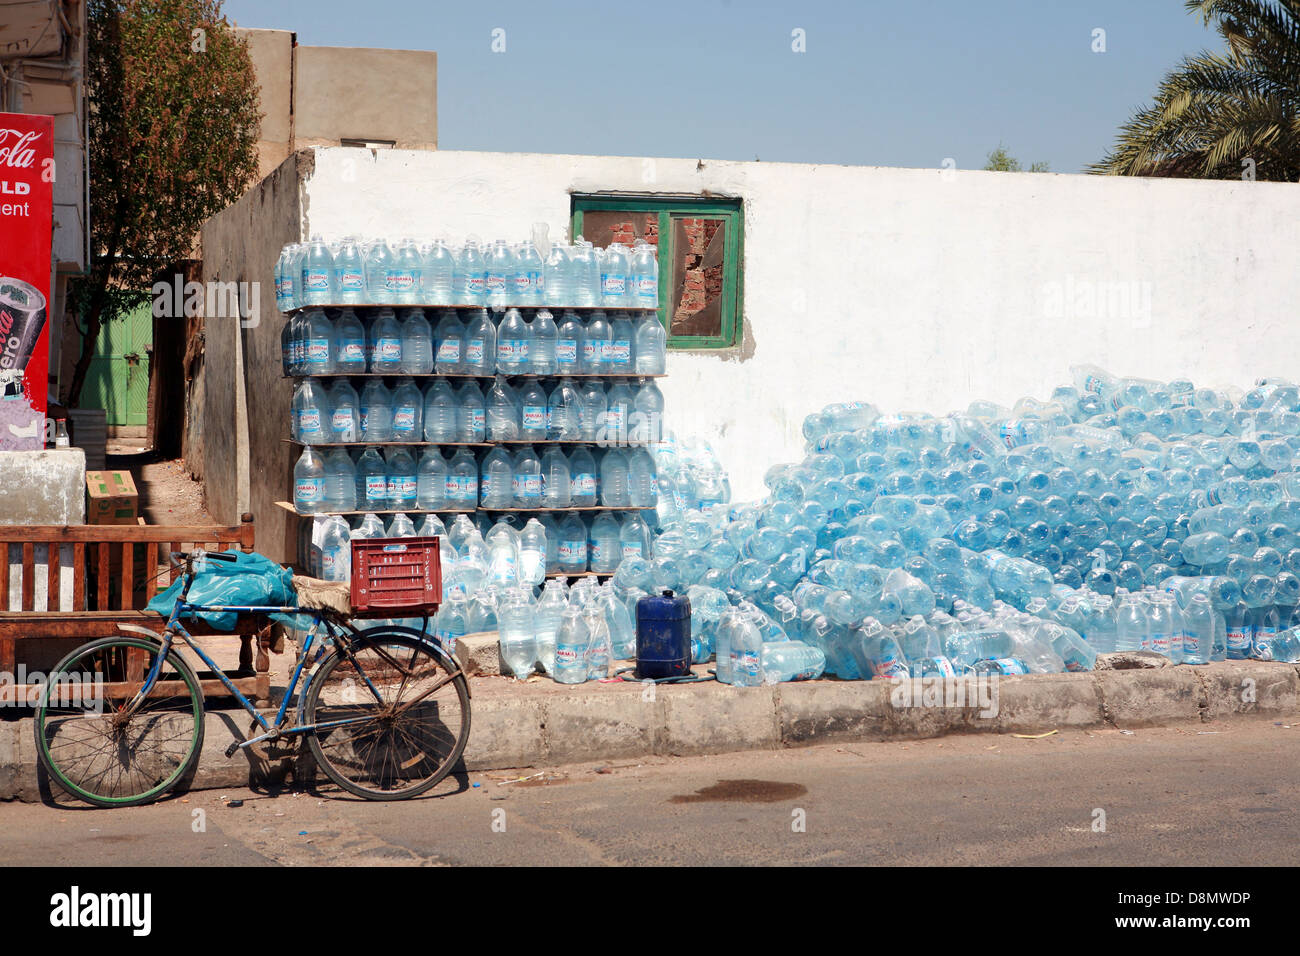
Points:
[(1219, 114)]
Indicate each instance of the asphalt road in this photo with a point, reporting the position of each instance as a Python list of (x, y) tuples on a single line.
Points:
[(1221, 794)]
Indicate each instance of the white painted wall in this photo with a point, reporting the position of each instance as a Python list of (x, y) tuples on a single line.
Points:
[(914, 289)]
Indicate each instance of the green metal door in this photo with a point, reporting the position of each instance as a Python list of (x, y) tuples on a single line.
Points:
[(118, 380)]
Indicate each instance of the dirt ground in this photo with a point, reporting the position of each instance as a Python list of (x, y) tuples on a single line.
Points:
[(168, 495)]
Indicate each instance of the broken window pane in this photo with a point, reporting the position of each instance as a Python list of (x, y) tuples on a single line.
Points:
[(600, 227), (696, 295)]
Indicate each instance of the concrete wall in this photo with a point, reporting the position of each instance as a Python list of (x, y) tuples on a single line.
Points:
[(352, 93), (272, 54), (236, 429), (910, 288), (43, 487)]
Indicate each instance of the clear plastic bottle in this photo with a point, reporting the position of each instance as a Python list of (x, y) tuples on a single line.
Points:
[(532, 553), (309, 483), (622, 347), (563, 412), (529, 278), (650, 344), (571, 641), (496, 479), (448, 339), (480, 345), (311, 412), (376, 412), (318, 274), (408, 411), (591, 410), (318, 351), (349, 273), (417, 343), (372, 481), (439, 274), (646, 421), (405, 278), (462, 481), (618, 413), (403, 481), (603, 549), (546, 622), (558, 276), (597, 346), (384, 343), (340, 481), (599, 649), (586, 274), (527, 483), (572, 540), (471, 414), (570, 341), (634, 537), (379, 261), (642, 489), (336, 550), (614, 480), (502, 407), (500, 274), (541, 347), (349, 343), (431, 481), (532, 410), (582, 478), (644, 268), (514, 342), (556, 491), (613, 276), (517, 639)]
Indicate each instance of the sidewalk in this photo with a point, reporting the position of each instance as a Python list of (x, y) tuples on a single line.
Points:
[(539, 723)]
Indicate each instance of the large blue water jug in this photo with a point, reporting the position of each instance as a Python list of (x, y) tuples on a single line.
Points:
[(663, 637)]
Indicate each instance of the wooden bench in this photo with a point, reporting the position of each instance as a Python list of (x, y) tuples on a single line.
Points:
[(79, 582)]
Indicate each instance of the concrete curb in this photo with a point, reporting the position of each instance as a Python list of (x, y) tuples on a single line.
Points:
[(620, 721)]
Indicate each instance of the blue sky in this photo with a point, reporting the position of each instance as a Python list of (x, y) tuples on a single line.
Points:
[(891, 84)]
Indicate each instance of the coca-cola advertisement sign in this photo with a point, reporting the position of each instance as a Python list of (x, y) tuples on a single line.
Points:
[(26, 222)]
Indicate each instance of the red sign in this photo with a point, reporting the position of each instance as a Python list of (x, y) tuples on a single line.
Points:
[(26, 226)]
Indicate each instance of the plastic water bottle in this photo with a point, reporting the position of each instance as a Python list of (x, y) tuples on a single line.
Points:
[(439, 269), (1200, 623), (571, 641), (405, 278), (402, 481), (555, 479), (471, 414), (336, 550), (573, 545), (345, 413), (564, 412), (502, 407), (532, 410), (310, 411), (283, 282), (622, 347), (541, 346), (650, 345), (500, 274), (340, 481), (448, 338), (480, 345), (514, 340), (532, 553), (288, 356), (440, 412), (642, 489), (782, 661), (431, 482), (349, 343), (591, 410), (614, 480), (297, 264), (546, 624), (1237, 621), (633, 538), (379, 261), (376, 412), (384, 343), (450, 623), (349, 273), (644, 269), (462, 480), (372, 481), (518, 641), (319, 344), (471, 276), (527, 478), (408, 411), (599, 643), (603, 549), (618, 413), (582, 478), (529, 278), (645, 424), (318, 274), (417, 343), (613, 276), (570, 342), (557, 276), (309, 483), (585, 271), (496, 479), (597, 347)]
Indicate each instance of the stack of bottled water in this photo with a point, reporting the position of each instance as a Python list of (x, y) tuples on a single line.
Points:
[(379, 272)]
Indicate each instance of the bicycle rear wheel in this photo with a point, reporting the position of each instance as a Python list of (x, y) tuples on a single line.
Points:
[(97, 748), (391, 715)]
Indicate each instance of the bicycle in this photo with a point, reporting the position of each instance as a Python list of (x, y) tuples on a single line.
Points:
[(384, 710)]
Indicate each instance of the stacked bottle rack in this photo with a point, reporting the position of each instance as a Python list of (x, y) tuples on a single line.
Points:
[(642, 438)]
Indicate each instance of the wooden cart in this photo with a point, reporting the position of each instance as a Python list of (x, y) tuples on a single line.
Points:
[(61, 586)]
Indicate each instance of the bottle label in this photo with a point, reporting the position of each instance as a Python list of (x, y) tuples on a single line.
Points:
[(621, 353), (744, 662), (449, 351), (566, 352), (573, 552), (318, 351), (496, 283), (534, 417), (512, 350), (341, 421), (1238, 638), (477, 420), (632, 549), (597, 552), (603, 350), (589, 352), (317, 280), (616, 418), (647, 288), (1160, 643), (582, 484), (404, 419), (462, 487), (351, 280), (613, 283), (365, 417), (389, 350), (474, 352), (1010, 665), (528, 488), (400, 280), (351, 350), (447, 639), (475, 284), (309, 490), (376, 488), (309, 421), (396, 487), (567, 655)]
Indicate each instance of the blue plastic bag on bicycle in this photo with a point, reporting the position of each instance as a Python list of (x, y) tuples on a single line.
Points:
[(251, 579)]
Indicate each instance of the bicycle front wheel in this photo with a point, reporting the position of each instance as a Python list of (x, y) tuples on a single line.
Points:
[(391, 715), (104, 746)]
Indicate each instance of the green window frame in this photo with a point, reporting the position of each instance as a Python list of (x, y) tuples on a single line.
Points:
[(677, 207)]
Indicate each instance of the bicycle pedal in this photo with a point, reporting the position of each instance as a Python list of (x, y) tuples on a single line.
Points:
[(232, 749)]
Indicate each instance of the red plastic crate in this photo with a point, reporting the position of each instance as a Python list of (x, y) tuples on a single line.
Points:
[(396, 574)]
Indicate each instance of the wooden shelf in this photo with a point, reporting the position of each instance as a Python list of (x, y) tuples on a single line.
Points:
[(491, 307)]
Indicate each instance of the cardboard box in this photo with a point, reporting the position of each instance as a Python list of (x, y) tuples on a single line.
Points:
[(112, 498)]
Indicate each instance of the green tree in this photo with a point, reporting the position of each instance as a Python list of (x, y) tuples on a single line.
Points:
[(1224, 115), (173, 116), (1000, 161)]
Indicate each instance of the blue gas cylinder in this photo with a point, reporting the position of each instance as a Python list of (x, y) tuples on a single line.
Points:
[(663, 637)]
